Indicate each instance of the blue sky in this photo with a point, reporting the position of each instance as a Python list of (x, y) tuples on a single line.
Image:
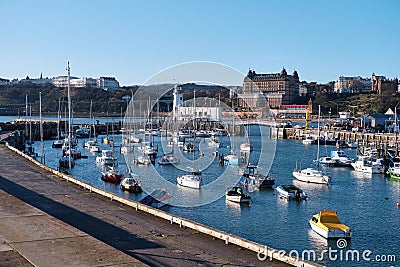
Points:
[(133, 40)]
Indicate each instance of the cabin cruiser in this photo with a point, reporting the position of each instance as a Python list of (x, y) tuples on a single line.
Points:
[(235, 194), (168, 160), (328, 225), (291, 192), (106, 158), (253, 179), (142, 160), (341, 158), (367, 164), (325, 161), (189, 180), (131, 184)]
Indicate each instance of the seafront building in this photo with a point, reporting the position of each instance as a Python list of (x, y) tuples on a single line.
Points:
[(278, 88)]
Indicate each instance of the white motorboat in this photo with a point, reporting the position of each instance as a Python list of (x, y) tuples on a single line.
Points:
[(126, 148), (94, 148), (168, 160), (341, 158), (325, 161), (106, 158), (328, 225), (142, 160), (189, 180), (366, 164), (235, 194), (291, 192), (131, 184)]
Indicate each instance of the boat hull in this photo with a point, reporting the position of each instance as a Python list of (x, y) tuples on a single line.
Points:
[(330, 234)]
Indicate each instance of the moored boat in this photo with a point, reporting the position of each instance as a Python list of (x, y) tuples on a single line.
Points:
[(235, 194), (106, 158), (189, 180), (131, 184), (366, 164), (311, 175), (325, 161), (341, 158), (327, 224), (251, 178), (394, 171), (112, 174), (291, 192), (168, 159)]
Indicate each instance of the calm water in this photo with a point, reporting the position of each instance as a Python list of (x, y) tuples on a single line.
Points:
[(366, 203)]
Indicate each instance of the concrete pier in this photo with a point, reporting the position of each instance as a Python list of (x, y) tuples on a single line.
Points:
[(48, 221)]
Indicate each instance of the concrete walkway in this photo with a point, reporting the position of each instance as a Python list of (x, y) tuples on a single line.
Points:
[(46, 221)]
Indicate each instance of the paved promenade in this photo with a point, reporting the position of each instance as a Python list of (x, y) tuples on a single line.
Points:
[(46, 221)]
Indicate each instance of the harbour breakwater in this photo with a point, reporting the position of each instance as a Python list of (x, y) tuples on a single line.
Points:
[(375, 140), (260, 249)]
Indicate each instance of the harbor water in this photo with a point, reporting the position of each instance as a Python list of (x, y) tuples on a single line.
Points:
[(366, 203)]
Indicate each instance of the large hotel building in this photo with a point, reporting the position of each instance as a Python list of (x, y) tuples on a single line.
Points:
[(278, 88)]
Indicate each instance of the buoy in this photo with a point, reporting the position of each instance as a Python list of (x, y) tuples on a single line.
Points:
[(398, 204)]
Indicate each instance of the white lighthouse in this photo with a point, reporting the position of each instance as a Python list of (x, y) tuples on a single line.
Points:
[(178, 100)]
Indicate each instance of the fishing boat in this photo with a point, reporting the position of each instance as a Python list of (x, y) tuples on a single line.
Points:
[(106, 158), (168, 159), (311, 175), (235, 194), (131, 184), (111, 174), (251, 178), (366, 164), (189, 180), (291, 192), (327, 224), (157, 199), (394, 171), (341, 158)]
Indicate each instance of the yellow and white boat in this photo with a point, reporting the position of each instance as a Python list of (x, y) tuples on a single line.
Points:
[(327, 224)]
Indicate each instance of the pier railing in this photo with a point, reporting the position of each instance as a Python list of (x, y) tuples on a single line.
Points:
[(265, 252)]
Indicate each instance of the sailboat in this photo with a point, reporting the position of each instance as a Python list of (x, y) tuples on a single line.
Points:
[(311, 175), (232, 158), (246, 147), (72, 151), (58, 142)]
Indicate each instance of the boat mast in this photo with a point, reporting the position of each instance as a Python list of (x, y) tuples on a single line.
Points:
[(319, 114), (69, 117), (41, 129), (26, 116)]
